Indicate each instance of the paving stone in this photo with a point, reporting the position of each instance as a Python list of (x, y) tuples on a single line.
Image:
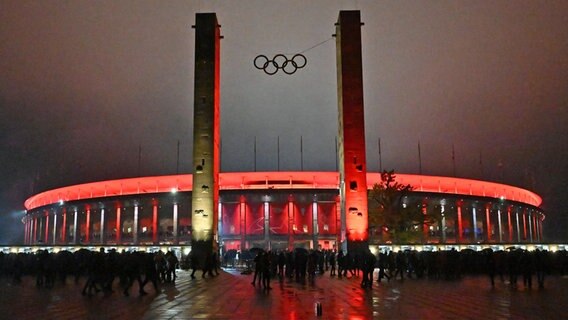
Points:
[(231, 296)]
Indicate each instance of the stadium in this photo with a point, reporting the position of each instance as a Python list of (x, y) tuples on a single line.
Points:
[(276, 210)]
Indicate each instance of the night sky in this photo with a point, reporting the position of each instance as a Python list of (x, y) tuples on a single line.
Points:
[(85, 84)]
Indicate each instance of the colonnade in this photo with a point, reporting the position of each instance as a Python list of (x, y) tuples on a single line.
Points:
[(505, 223), (294, 232), (42, 226), (75, 224), (460, 222)]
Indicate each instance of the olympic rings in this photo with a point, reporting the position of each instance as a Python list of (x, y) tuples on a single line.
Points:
[(280, 62)]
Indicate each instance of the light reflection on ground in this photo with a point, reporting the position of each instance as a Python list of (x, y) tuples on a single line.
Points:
[(231, 296)]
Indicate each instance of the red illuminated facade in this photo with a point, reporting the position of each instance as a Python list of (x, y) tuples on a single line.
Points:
[(271, 210)]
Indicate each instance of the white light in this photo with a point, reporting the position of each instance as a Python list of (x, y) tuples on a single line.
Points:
[(374, 250), (174, 190), (60, 202)]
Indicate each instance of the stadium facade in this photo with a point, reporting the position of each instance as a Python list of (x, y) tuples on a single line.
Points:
[(275, 210)]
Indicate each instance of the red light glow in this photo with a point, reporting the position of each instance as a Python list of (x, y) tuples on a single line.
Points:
[(277, 180)]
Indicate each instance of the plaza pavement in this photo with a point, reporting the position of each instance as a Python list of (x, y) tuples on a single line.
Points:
[(231, 296)]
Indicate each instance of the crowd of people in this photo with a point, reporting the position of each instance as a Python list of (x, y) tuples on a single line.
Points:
[(101, 269), (511, 265)]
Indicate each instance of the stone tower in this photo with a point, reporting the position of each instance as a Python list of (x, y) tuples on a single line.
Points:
[(206, 136), (352, 162)]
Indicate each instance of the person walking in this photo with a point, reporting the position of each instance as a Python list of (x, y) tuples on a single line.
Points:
[(265, 271), (257, 268), (331, 261)]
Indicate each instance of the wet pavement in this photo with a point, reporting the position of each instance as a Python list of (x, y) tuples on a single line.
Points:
[(231, 296)]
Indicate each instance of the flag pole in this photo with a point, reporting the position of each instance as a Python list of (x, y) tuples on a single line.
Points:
[(380, 157), (301, 154), (454, 159), (139, 158), (419, 159), (177, 159)]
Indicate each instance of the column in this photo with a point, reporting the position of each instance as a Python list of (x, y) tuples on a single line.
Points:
[(206, 136), (538, 222), (64, 227), (535, 226), (175, 213), (525, 225), (460, 225), (28, 230), (315, 228), (488, 220), (535, 233), (25, 230), (54, 228), (102, 240), (474, 222), (135, 226), (530, 226), (25, 221), (35, 230), (75, 227), (425, 230), (351, 130), (31, 230), (267, 224), (500, 225), (290, 222), (518, 226), (443, 210), (40, 228), (118, 227), (155, 223), (243, 217), (219, 221), (88, 225), (509, 224), (31, 235), (46, 234)]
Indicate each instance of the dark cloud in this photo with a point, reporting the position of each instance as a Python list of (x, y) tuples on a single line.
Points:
[(84, 84)]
